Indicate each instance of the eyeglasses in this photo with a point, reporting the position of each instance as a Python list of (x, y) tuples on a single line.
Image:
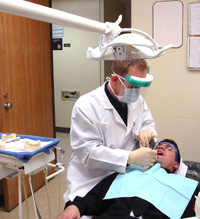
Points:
[(167, 146), (127, 85), (122, 80)]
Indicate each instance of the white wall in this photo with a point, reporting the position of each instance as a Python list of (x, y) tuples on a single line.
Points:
[(174, 97), (72, 69)]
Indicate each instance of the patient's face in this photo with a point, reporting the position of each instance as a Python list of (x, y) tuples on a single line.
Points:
[(166, 156)]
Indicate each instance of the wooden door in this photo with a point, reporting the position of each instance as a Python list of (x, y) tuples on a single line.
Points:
[(26, 82)]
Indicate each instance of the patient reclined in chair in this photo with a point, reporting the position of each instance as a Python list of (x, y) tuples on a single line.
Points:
[(108, 197), (153, 193)]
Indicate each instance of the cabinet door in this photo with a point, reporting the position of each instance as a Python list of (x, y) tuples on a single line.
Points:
[(25, 83)]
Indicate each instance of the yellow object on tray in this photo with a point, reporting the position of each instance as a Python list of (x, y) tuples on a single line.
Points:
[(6, 137), (2, 145), (32, 145)]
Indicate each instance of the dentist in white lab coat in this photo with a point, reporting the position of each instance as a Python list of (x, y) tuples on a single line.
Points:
[(106, 124)]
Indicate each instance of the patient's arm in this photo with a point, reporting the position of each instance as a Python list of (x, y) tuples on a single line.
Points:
[(92, 203), (71, 212)]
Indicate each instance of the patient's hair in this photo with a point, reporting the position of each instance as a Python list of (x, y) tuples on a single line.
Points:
[(178, 156)]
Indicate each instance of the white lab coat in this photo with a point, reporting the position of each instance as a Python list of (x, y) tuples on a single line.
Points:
[(100, 140)]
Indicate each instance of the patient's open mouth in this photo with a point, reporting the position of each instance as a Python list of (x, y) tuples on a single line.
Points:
[(160, 153)]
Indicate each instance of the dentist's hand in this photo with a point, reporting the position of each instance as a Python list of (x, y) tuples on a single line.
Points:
[(144, 157), (71, 212), (145, 136)]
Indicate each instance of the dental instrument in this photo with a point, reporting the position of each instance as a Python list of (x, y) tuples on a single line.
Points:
[(12, 140)]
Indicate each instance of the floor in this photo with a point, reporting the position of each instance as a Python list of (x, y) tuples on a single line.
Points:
[(57, 187)]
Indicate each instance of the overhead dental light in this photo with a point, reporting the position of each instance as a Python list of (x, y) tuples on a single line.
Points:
[(135, 45), (112, 44)]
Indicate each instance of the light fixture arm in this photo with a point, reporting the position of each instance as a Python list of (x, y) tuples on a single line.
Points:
[(112, 45), (50, 15)]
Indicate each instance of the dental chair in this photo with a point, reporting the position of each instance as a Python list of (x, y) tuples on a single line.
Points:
[(193, 171)]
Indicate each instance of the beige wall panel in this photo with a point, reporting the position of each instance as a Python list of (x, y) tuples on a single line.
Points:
[(178, 129), (173, 97)]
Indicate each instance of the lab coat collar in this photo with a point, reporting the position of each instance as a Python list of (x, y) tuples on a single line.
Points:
[(106, 102), (108, 106)]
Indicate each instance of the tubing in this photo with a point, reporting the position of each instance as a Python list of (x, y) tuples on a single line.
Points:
[(56, 173)]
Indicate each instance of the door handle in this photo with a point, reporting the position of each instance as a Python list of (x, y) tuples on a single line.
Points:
[(7, 105)]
